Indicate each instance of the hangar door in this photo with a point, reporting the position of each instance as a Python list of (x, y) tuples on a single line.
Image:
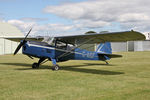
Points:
[(1, 50), (1, 46)]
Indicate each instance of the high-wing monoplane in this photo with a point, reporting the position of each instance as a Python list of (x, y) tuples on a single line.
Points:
[(64, 48)]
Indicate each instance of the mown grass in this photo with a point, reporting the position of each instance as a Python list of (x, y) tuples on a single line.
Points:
[(126, 78)]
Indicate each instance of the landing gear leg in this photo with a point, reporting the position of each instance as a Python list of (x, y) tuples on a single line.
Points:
[(55, 66), (36, 65), (106, 62)]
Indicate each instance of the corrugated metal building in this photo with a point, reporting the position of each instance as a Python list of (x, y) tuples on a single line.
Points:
[(124, 46), (7, 30), (119, 46), (142, 45), (131, 46)]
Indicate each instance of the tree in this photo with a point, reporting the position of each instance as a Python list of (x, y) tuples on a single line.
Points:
[(90, 32)]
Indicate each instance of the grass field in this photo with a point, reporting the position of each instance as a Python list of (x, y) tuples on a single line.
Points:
[(126, 78)]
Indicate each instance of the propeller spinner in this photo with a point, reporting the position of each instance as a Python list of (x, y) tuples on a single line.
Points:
[(22, 43)]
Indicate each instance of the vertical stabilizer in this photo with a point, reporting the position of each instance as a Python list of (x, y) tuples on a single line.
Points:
[(104, 48)]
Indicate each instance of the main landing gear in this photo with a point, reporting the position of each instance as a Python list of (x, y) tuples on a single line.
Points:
[(36, 65), (41, 60), (106, 62), (55, 66)]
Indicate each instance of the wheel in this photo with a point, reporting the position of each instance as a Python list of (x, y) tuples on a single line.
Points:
[(35, 65), (55, 67)]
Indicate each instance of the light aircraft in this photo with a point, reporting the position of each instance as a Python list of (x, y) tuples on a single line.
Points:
[(64, 48)]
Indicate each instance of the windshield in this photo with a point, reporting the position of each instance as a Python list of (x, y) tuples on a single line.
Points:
[(49, 40)]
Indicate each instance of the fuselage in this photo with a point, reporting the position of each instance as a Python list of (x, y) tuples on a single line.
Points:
[(41, 49)]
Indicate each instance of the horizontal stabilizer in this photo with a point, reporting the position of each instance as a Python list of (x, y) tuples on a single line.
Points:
[(110, 55)]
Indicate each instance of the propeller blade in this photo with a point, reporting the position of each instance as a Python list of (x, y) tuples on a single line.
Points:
[(18, 48), (27, 34), (22, 43)]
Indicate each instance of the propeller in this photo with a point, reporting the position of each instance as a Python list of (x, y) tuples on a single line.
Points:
[(22, 43)]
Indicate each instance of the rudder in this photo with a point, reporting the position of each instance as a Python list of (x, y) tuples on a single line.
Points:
[(104, 48)]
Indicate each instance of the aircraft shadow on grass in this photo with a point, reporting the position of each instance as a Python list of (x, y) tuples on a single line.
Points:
[(71, 68)]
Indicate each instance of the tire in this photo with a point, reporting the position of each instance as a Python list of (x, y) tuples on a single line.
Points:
[(55, 67), (35, 66)]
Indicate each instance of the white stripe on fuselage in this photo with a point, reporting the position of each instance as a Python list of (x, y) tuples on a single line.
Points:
[(33, 45), (53, 48)]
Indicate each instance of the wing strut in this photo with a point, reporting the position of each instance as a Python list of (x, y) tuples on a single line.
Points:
[(69, 52)]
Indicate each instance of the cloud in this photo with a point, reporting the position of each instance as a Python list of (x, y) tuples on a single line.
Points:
[(133, 17), (82, 24), (21, 24), (45, 29), (129, 13)]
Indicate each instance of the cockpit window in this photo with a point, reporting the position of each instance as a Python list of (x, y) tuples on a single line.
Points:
[(49, 40), (61, 45)]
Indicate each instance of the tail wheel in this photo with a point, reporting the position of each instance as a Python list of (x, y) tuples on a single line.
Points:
[(55, 67), (35, 65)]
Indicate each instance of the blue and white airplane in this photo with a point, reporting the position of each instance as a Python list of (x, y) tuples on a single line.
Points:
[(64, 48)]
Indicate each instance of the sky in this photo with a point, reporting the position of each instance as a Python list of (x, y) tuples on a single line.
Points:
[(71, 17)]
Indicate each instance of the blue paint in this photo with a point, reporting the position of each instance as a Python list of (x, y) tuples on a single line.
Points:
[(53, 61)]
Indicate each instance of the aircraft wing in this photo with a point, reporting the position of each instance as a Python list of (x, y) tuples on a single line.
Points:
[(105, 37), (18, 39)]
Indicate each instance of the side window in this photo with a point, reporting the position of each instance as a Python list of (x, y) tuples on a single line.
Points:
[(61, 45), (70, 47)]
